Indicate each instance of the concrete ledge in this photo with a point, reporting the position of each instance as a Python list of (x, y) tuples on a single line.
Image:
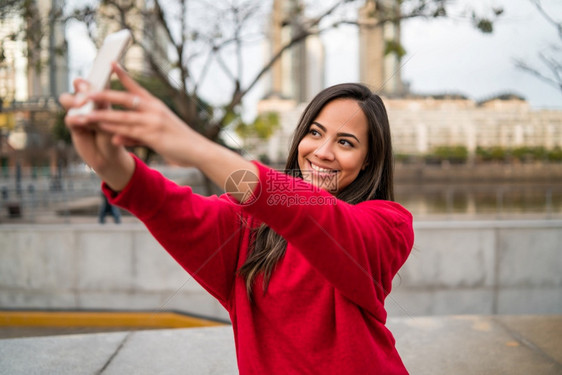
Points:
[(456, 268), (428, 345)]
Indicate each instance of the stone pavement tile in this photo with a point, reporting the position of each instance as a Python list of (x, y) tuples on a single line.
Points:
[(542, 333), (466, 345), (62, 355), (197, 351), (30, 331)]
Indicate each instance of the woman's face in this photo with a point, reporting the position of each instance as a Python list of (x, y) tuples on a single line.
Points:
[(334, 150)]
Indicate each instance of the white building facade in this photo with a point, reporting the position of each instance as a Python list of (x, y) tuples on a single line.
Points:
[(419, 125)]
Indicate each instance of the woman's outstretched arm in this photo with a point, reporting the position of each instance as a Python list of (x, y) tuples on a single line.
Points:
[(146, 120)]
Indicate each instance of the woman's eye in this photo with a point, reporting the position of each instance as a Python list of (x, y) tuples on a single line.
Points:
[(345, 143), (314, 132)]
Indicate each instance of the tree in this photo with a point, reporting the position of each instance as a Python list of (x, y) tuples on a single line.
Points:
[(261, 129), (551, 58)]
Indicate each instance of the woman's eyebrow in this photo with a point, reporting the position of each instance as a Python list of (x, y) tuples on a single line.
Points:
[(339, 134)]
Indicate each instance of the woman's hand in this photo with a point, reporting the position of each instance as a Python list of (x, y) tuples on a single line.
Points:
[(145, 120), (110, 160)]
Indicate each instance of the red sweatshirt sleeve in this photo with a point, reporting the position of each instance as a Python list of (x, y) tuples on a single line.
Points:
[(201, 233), (358, 248)]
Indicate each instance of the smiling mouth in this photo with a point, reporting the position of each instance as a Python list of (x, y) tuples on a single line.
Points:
[(320, 169)]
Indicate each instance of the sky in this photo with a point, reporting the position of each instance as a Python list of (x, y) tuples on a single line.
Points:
[(443, 56)]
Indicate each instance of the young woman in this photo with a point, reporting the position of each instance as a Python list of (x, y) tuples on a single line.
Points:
[(302, 260)]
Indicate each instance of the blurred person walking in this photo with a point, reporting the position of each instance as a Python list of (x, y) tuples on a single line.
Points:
[(107, 208)]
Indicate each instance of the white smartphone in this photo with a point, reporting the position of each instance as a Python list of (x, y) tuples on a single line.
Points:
[(112, 49)]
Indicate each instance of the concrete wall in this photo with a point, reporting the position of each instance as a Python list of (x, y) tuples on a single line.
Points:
[(464, 267), (94, 267), (481, 267)]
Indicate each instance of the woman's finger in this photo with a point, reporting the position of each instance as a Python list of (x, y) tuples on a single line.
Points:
[(130, 84), (120, 132), (66, 100), (75, 122), (116, 117), (122, 98), (81, 85), (119, 140), (124, 123)]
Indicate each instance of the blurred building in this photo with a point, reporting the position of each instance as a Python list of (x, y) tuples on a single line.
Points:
[(33, 73), (299, 74), (13, 68), (380, 51), (419, 124), (25, 70), (296, 77)]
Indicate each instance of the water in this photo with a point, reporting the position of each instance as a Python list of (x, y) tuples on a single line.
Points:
[(485, 199), (38, 194)]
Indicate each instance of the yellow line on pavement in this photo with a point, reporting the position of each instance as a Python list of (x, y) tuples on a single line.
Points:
[(101, 319)]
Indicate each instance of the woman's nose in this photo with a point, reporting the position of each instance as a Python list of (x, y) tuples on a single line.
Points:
[(324, 151)]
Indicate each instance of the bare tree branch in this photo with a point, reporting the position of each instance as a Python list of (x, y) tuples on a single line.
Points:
[(548, 58), (178, 46), (223, 66), (547, 17), (525, 67), (205, 70), (554, 66)]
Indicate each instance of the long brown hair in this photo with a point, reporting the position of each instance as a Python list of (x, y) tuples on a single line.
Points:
[(375, 181)]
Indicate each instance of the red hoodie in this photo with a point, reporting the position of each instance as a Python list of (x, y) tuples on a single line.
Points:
[(323, 312)]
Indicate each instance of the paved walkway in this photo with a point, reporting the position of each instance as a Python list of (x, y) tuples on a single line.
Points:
[(429, 345)]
